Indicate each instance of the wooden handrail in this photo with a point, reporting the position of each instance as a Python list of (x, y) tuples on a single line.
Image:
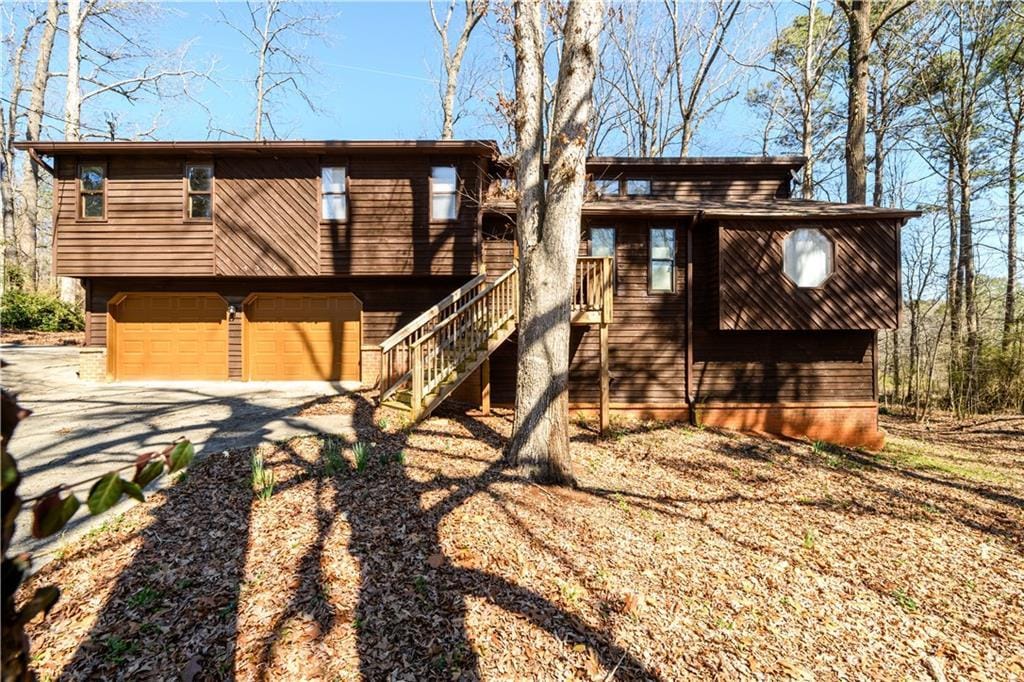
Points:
[(395, 360), (594, 289), (438, 354)]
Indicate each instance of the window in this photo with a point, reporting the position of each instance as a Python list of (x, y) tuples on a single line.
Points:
[(605, 188), (199, 191), (663, 259), (602, 244), (92, 190), (444, 198), (334, 193), (807, 257), (638, 188)]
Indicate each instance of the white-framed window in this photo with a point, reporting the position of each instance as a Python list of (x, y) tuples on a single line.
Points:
[(199, 191), (334, 193), (807, 257), (638, 188), (605, 188), (663, 259), (444, 193)]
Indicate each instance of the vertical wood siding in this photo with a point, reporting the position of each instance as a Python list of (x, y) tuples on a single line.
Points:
[(862, 293)]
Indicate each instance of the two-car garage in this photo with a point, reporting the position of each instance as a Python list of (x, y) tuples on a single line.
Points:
[(188, 336)]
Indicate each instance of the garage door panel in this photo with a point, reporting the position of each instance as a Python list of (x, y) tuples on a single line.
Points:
[(303, 336), (169, 336)]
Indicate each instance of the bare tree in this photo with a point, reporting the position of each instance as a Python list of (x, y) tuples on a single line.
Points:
[(452, 58), (275, 35), (864, 25), (797, 99), (548, 229)]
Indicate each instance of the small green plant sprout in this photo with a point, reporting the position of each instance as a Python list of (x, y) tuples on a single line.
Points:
[(906, 602), (383, 423), (333, 461), (399, 457), (262, 478), (810, 537), (361, 451)]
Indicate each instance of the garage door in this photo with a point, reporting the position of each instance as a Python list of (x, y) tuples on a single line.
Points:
[(302, 336), (168, 336)]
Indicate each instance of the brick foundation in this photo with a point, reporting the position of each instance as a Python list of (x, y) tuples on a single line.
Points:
[(92, 364), (370, 366)]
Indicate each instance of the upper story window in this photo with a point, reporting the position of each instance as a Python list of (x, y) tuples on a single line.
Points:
[(444, 193), (92, 191), (638, 188), (199, 191), (807, 257), (663, 259), (606, 188), (334, 193), (602, 242)]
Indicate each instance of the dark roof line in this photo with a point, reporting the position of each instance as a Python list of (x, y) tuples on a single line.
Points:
[(788, 161), (481, 147)]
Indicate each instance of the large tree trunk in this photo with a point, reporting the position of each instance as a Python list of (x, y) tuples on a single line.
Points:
[(32, 176), (1009, 313), (806, 122), (548, 231), (859, 15), (68, 288), (967, 275)]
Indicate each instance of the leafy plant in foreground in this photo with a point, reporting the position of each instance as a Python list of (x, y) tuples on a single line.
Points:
[(51, 511), (262, 478), (361, 451)]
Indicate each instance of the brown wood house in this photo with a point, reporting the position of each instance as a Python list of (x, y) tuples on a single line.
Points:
[(704, 291)]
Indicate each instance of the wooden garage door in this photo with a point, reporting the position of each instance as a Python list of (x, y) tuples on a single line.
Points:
[(169, 336), (302, 336)]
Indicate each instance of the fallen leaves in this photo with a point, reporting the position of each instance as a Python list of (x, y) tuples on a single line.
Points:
[(685, 554)]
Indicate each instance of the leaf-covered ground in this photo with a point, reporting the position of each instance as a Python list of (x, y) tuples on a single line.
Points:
[(684, 554)]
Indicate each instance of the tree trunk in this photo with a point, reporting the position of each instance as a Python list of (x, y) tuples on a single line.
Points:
[(32, 176), (475, 11), (967, 276), (806, 124), (548, 231), (952, 286), (1009, 313), (68, 288), (859, 16)]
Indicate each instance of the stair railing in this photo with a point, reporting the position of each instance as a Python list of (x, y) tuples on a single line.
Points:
[(395, 357), (437, 355), (594, 290)]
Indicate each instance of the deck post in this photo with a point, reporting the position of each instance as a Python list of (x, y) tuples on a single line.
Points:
[(485, 387), (416, 402), (604, 379)]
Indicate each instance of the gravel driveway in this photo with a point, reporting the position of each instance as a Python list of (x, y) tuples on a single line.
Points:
[(80, 430)]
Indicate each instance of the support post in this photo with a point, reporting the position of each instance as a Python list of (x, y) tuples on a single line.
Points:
[(605, 389), (485, 387), (416, 402)]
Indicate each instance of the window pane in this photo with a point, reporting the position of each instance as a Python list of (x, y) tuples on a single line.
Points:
[(200, 206), (661, 275), (332, 180), (334, 207), (445, 178), (807, 257), (606, 188), (200, 178), (663, 244), (442, 207), (638, 187), (602, 241), (92, 177), (92, 205)]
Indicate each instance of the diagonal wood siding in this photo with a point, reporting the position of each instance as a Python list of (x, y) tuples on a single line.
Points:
[(862, 293), (267, 216)]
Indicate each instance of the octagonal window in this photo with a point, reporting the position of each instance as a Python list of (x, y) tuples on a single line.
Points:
[(807, 257)]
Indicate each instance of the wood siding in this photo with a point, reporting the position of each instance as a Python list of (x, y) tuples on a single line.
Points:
[(266, 213), (862, 292), (389, 227), (267, 220), (769, 366), (143, 233)]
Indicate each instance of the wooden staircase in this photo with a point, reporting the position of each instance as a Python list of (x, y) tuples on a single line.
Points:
[(426, 360)]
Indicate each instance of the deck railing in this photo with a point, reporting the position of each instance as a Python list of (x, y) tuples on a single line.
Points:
[(594, 292), (438, 355), (394, 352)]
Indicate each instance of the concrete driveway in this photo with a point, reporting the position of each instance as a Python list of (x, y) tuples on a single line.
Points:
[(80, 430)]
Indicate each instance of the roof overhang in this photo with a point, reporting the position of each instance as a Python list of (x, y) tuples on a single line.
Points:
[(778, 209), (485, 148)]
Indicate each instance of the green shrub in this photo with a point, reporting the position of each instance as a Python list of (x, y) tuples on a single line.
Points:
[(36, 311)]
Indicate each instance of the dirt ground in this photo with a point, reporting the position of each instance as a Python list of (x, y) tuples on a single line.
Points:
[(684, 553), (42, 338)]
